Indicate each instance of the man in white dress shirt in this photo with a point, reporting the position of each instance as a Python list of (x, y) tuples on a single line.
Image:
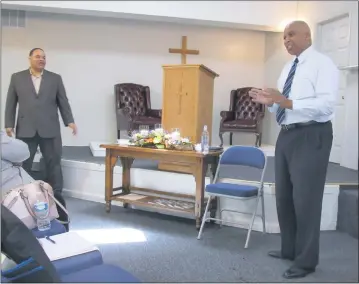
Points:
[(304, 105)]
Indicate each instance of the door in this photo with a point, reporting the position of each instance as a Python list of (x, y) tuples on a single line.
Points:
[(333, 40)]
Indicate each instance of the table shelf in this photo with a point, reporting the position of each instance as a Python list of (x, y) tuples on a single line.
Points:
[(199, 164), (157, 202)]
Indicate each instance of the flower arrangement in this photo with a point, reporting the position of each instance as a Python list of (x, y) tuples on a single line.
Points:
[(161, 140), (150, 139), (183, 144)]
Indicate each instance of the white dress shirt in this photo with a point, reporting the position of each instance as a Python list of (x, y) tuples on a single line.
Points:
[(314, 88), (36, 80)]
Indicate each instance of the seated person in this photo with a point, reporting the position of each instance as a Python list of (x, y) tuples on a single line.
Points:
[(13, 153)]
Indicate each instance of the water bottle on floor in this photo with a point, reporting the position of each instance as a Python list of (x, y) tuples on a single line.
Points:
[(41, 209), (205, 140)]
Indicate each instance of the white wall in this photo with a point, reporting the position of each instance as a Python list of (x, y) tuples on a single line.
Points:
[(256, 13), (93, 54), (315, 12), (1, 93), (240, 57), (349, 156)]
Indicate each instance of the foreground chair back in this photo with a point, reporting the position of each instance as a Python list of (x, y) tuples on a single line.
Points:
[(238, 156), (20, 245)]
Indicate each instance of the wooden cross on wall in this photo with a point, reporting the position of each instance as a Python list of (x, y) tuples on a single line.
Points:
[(183, 50)]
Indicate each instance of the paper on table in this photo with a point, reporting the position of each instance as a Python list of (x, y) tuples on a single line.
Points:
[(134, 197), (66, 245)]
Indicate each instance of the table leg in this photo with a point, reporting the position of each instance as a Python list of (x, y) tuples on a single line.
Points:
[(199, 174), (213, 169), (126, 176), (110, 163)]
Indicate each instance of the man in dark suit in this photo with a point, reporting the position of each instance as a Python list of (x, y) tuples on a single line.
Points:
[(39, 94)]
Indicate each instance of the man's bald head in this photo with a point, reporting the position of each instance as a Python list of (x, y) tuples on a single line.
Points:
[(297, 37)]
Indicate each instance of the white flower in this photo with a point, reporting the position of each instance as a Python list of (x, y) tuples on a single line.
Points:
[(185, 140), (158, 132), (157, 140)]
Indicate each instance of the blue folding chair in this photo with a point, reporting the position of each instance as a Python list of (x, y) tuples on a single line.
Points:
[(238, 156)]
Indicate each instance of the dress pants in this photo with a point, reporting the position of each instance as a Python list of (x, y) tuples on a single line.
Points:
[(301, 162), (62, 215), (51, 150)]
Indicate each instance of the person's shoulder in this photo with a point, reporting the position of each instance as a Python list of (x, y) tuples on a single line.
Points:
[(21, 73), (19, 77), (52, 75), (3, 137), (323, 59)]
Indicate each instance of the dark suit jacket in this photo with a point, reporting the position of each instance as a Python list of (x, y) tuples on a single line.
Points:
[(37, 112)]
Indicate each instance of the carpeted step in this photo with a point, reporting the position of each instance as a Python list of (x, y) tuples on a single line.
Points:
[(348, 211)]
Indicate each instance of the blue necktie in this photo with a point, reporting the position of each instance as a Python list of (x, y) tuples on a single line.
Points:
[(286, 90)]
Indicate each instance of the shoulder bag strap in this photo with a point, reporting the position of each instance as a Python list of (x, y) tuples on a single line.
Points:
[(57, 202)]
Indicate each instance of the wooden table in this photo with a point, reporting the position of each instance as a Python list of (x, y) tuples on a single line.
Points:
[(199, 164)]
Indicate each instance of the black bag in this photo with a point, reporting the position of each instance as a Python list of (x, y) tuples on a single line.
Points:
[(19, 244)]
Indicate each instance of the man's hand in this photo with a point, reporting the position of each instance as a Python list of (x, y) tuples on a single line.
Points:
[(9, 131), (278, 98), (260, 96), (73, 127), (273, 94), (270, 96)]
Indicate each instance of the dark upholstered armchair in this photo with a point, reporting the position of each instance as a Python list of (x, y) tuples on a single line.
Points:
[(133, 108), (243, 116)]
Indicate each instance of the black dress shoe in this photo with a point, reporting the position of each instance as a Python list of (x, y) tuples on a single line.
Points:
[(278, 254), (296, 272)]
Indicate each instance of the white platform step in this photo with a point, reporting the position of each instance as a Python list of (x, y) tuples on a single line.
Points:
[(87, 181)]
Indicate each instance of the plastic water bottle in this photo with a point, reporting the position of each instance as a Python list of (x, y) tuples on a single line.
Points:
[(41, 209), (205, 140)]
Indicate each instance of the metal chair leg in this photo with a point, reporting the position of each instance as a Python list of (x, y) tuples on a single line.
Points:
[(204, 218), (220, 211), (256, 144), (251, 225), (263, 214)]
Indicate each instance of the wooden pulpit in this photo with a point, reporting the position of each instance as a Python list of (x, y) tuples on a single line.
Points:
[(187, 103)]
